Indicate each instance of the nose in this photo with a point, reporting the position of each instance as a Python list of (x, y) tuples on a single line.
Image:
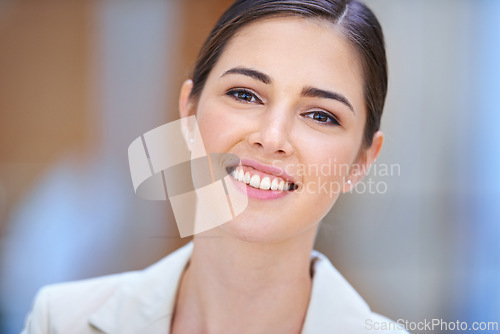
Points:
[(272, 137)]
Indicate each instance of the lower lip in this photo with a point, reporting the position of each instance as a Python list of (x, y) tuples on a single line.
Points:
[(258, 193)]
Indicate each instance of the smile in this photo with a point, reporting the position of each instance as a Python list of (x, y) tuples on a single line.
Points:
[(259, 180)]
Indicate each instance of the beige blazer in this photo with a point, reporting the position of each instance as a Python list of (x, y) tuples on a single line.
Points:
[(143, 302)]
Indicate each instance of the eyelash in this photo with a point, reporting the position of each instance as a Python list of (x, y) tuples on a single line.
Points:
[(330, 119), (236, 94)]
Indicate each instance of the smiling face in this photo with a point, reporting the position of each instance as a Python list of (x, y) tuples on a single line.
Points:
[(286, 96)]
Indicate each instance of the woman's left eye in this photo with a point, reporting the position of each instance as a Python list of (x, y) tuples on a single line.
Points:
[(244, 95), (322, 117)]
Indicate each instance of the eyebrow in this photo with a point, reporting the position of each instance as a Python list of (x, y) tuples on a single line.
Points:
[(326, 94), (250, 73)]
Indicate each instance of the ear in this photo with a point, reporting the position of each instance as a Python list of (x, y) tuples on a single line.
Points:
[(186, 109), (364, 161)]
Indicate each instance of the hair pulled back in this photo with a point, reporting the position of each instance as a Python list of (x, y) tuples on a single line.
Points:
[(355, 21)]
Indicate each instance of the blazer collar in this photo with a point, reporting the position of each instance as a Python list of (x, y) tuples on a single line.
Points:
[(334, 306), (147, 301)]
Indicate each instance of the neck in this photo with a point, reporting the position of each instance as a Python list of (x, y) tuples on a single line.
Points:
[(230, 283)]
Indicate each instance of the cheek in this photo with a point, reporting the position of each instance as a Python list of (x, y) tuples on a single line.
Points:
[(222, 128), (218, 130), (325, 169), (328, 157)]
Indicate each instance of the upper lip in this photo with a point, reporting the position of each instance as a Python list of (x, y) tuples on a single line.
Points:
[(268, 169)]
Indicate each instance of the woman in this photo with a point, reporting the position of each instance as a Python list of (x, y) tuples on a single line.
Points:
[(287, 86)]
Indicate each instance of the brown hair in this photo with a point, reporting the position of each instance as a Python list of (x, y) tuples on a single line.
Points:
[(356, 22)]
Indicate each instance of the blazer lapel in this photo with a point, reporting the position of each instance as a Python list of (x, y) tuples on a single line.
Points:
[(146, 302), (334, 307)]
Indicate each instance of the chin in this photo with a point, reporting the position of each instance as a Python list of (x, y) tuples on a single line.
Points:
[(251, 230), (263, 230)]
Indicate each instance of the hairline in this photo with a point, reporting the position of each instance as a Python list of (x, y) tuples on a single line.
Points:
[(321, 20)]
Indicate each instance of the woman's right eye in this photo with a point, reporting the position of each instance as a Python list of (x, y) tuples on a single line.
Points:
[(244, 95)]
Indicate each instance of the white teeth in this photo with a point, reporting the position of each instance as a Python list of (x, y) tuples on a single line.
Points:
[(275, 184), (265, 184), (255, 181), (241, 175)]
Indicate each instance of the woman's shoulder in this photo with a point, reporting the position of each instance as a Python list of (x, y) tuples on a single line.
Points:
[(335, 306), (66, 304), (82, 306), (87, 288)]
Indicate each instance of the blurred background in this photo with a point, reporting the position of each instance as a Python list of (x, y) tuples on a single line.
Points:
[(80, 80)]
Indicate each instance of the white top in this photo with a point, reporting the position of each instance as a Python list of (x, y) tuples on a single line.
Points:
[(143, 302)]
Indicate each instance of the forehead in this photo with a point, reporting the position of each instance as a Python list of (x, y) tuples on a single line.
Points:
[(295, 50)]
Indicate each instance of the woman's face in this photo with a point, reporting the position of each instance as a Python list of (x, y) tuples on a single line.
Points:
[(286, 96)]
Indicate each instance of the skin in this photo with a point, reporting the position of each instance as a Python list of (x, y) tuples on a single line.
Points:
[(257, 265)]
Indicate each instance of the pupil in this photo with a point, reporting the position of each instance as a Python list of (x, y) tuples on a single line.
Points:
[(245, 96), (320, 117)]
